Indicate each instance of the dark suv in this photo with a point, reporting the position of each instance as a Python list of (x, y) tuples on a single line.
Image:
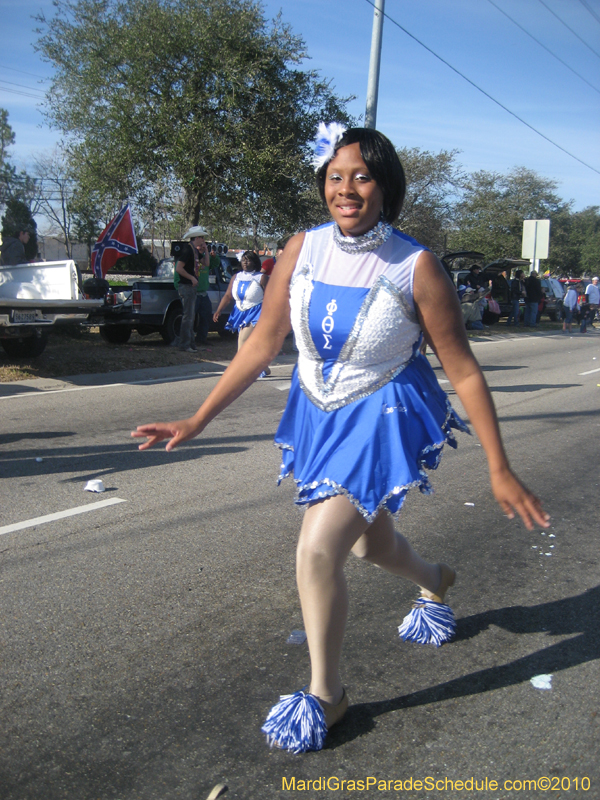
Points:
[(553, 298)]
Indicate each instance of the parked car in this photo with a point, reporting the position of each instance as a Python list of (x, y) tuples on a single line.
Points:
[(489, 274), (34, 299), (455, 264), (153, 305), (501, 291), (553, 298)]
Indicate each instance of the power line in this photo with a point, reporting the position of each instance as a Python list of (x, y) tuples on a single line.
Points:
[(22, 86), (479, 89), (22, 71), (570, 29), (23, 94), (591, 10), (544, 46)]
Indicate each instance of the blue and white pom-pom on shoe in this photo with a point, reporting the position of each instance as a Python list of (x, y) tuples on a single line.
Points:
[(299, 722), (431, 621)]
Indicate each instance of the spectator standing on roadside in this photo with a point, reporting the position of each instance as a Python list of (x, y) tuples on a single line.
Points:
[(267, 266), (501, 288), (569, 308), (186, 267), (13, 248), (203, 304), (592, 294), (269, 263), (517, 291), (533, 289)]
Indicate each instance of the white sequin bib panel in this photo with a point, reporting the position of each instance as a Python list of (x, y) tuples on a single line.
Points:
[(247, 291), (384, 332)]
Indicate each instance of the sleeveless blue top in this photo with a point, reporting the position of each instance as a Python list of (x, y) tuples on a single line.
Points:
[(365, 414)]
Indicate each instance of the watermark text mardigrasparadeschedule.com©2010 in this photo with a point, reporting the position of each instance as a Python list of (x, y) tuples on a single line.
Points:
[(429, 784)]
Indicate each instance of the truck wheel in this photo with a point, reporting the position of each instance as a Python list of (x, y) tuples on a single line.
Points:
[(26, 346), (170, 330), (115, 334)]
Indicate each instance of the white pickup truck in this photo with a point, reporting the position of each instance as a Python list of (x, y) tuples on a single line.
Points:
[(35, 297)]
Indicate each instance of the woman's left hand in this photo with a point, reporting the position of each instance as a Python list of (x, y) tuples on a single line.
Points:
[(513, 496), (175, 432)]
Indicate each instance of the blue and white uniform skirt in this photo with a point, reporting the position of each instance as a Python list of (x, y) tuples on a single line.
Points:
[(242, 319), (372, 450)]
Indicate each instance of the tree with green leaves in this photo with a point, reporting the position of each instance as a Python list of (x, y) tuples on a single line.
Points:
[(7, 138), (433, 185), (14, 185), (585, 237), (489, 218), (206, 92)]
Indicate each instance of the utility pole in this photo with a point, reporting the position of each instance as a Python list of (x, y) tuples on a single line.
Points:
[(373, 85)]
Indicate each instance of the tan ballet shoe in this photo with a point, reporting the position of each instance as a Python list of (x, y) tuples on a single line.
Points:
[(334, 713), (448, 576)]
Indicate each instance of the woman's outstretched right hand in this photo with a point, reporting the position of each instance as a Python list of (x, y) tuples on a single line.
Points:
[(175, 432)]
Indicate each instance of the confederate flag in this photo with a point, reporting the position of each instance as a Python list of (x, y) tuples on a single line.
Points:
[(116, 240)]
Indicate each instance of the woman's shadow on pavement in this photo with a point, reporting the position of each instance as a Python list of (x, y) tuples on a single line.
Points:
[(568, 616)]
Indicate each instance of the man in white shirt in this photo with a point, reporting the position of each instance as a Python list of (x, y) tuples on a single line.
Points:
[(592, 294)]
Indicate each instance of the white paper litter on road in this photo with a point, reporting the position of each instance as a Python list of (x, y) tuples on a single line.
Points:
[(94, 486), (469, 504), (541, 681)]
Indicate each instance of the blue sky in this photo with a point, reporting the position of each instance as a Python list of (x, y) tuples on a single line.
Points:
[(422, 102)]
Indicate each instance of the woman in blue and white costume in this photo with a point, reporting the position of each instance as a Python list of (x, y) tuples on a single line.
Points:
[(365, 415), (247, 290)]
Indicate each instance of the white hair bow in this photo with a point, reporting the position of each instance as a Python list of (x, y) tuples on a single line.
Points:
[(327, 138)]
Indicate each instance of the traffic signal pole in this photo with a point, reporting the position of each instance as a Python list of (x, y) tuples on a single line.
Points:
[(374, 64)]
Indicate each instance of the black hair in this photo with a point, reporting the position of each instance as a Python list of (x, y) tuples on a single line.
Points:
[(383, 164), (253, 259)]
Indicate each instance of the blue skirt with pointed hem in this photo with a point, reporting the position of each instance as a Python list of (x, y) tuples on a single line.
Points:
[(241, 319), (372, 450)]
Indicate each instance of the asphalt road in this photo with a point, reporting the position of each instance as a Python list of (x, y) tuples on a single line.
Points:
[(142, 643)]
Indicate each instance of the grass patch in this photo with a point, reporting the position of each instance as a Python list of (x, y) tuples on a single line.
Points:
[(81, 351)]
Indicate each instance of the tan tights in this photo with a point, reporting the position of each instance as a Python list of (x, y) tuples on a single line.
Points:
[(244, 335), (331, 529)]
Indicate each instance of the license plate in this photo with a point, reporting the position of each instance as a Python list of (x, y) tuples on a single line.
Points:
[(24, 316)]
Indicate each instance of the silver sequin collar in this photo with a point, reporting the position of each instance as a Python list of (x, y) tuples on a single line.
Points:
[(364, 243)]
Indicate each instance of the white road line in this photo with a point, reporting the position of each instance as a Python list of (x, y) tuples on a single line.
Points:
[(590, 372), (283, 386), (71, 512), (525, 338), (145, 382)]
